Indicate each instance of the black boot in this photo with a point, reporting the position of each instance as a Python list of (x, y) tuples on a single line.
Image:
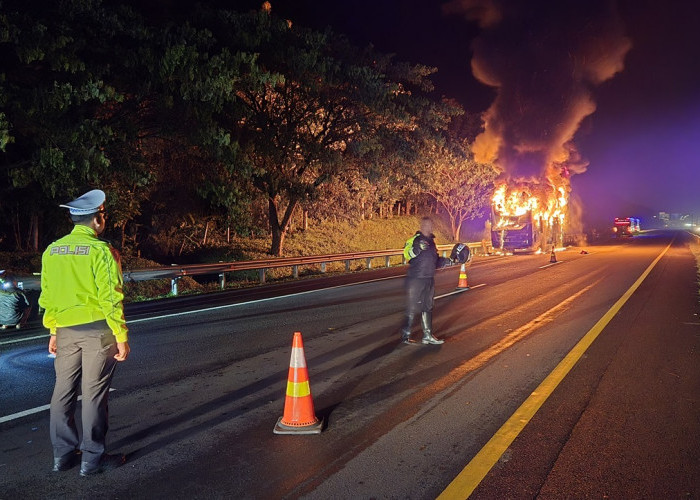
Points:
[(406, 330), (427, 322)]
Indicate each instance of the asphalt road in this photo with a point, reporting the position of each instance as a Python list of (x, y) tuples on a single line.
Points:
[(195, 404)]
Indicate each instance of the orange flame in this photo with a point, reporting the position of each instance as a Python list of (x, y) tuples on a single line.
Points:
[(546, 200)]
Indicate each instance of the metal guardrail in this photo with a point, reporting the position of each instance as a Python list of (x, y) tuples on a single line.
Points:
[(175, 272)]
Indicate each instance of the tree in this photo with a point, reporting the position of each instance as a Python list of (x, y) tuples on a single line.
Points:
[(318, 108), (203, 116), (53, 73), (91, 96), (179, 115), (459, 184)]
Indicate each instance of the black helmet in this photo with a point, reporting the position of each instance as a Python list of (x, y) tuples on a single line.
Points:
[(460, 253)]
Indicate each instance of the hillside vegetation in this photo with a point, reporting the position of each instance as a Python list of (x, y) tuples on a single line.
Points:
[(342, 237)]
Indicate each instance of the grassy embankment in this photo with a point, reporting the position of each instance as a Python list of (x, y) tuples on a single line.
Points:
[(327, 238)]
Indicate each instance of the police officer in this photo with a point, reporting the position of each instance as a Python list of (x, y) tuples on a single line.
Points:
[(81, 292), (423, 260)]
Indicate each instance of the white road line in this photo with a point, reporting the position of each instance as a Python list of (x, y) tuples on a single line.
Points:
[(460, 291), (32, 411), (46, 407), (552, 264), (226, 306), (24, 413), (197, 311), (238, 304), (14, 341)]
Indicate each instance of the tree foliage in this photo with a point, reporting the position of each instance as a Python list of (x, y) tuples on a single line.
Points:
[(211, 116), (459, 184)]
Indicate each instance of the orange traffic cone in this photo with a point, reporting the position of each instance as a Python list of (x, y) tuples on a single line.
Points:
[(462, 283), (299, 416), (553, 257)]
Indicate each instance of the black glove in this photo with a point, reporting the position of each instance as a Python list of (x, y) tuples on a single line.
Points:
[(443, 262)]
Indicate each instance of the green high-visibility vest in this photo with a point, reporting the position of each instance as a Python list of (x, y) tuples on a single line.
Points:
[(408, 251), (81, 282)]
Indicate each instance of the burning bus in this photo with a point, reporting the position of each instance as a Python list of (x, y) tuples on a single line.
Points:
[(528, 216)]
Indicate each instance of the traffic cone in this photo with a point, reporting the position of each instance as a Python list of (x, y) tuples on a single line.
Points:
[(553, 257), (299, 416), (462, 283)]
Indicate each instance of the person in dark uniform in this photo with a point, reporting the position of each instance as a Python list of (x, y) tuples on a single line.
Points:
[(14, 306), (81, 292), (423, 259)]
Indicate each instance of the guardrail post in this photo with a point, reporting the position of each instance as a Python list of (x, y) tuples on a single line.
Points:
[(323, 267), (173, 285), (222, 280), (388, 261), (261, 272), (347, 266), (369, 262), (295, 271)]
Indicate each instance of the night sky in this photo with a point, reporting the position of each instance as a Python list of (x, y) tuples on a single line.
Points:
[(641, 141)]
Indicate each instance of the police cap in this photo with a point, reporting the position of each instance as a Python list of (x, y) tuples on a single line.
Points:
[(89, 203)]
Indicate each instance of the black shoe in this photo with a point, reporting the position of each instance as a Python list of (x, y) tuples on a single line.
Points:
[(406, 337), (106, 463), (406, 329), (66, 461)]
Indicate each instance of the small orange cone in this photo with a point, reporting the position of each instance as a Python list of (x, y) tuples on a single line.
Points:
[(299, 416), (553, 257), (462, 283)]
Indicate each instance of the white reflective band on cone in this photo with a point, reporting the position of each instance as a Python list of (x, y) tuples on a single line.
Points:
[(298, 360)]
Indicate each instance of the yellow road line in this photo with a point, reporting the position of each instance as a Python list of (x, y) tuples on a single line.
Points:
[(466, 482)]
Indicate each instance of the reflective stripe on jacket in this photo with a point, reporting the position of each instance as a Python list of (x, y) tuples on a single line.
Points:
[(81, 282), (422, 254), (408, 251)]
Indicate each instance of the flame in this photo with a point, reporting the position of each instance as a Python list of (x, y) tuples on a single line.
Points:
[(547, 200)]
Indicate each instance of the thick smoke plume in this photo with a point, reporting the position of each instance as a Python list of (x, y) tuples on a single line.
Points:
[(544, 58)]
